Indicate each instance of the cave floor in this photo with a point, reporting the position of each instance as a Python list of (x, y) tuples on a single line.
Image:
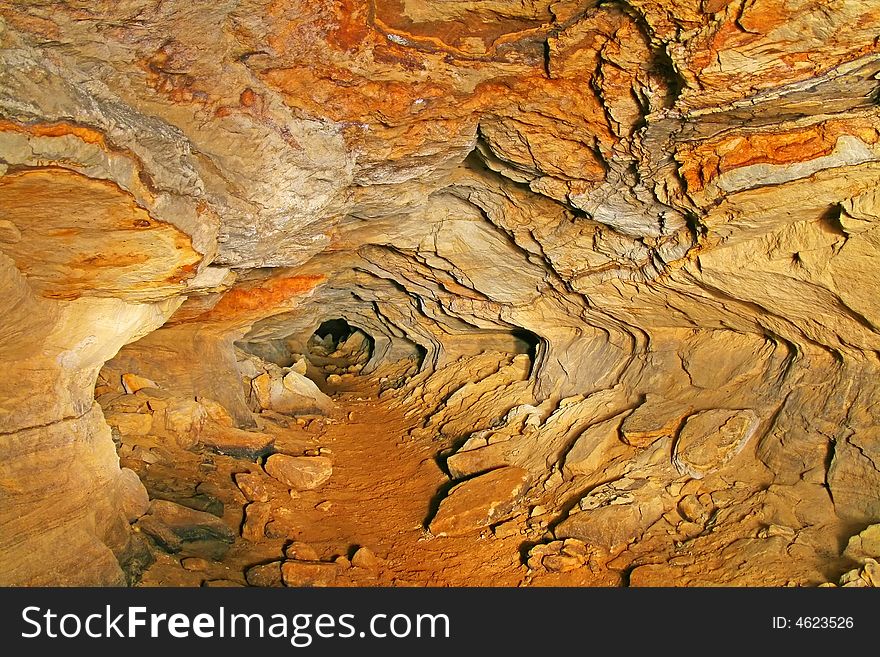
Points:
[(380, 494)]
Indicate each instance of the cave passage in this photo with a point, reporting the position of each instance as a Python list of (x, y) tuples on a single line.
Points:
[(337, 347), (626, 298)]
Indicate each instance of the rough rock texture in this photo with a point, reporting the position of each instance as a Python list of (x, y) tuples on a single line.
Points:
[(595, 230)]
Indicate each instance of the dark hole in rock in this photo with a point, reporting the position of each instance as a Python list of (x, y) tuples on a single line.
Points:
[(526, 343), (338, 348), (338, 329)]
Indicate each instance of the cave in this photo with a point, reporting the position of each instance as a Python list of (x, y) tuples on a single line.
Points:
[(440, 294)]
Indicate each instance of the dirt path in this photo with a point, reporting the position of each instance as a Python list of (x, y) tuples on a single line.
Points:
[(380, 494)]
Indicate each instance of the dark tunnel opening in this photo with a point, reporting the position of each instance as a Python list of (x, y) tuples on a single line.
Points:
[(338, 328), (337, 347)]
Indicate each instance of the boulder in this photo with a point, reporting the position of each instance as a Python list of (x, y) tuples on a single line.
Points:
[(299, 472), (864, 545), (308, 573), (131, 383), (481, 501), (265, 575), (178, 529), (228, 440), (131, 424)]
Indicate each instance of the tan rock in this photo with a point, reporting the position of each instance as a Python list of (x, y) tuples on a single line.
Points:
[(265, 575), (481, 501), (228, 440), (365, 558), (179, 529), (131, 383), (864, 545), (710, 439), (195, 564), (255, 487), (652, 420), (131, 424), (256, 517), (299, 472), (308, 573), (299, 551)]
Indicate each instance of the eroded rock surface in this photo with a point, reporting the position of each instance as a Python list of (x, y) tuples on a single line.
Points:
[(623, 253)]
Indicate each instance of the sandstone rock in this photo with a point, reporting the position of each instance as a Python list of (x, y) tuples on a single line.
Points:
[(864, 545), (195, 564), (516, 201), (184, 420), (616, 513), (133, 498), (364, 558), (178, 529), (559, 556), (480, 501), (265, 575), (654, 419), (710, 439), (299, 472), (595, 448), (131, 383), (255, 487), (228, 440), (505, 529), (256, 517), (308, 573), (131, 424), (299, 551)]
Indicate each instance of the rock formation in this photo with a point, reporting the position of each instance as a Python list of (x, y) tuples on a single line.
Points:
[(614, 257)]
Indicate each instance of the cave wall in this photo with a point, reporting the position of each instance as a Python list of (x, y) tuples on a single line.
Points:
[(678, 199)]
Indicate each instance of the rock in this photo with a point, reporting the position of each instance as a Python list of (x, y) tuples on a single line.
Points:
[(184, 419), (559, 556), (480, 501), (256, 516), (131, 424), (654, 419), (524, 203), (299, 472), (710, 439), (616, 513), (217, 413), (177, 529), (334, 379), (864, 545), (195, 564), (596, 448), (255, 487), (324, 506), (308, 573), (265, 575), (364, 558), (291, 393), (250, 445), (505, 529), (691, 508), (300, 365), (131, 383), (866, 576), (199, 501), (133, 498), (301, 552), (222, 584)]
